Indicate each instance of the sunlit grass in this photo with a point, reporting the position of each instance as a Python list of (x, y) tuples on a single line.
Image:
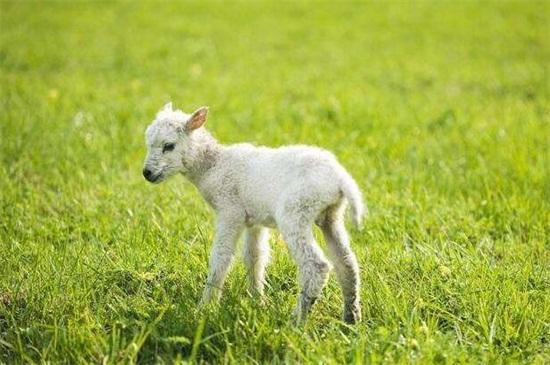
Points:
[(440, 111)]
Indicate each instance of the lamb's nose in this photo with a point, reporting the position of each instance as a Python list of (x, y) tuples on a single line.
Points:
[(147, 173)]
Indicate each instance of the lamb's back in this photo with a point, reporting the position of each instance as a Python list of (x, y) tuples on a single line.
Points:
[(282, 162)]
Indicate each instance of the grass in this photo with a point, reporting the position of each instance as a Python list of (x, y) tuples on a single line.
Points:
[(439, 110)]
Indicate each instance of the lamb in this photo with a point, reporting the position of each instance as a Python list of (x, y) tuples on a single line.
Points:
[(255, 188)]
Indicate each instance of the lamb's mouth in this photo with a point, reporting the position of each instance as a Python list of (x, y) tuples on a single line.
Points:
[(156, 179)]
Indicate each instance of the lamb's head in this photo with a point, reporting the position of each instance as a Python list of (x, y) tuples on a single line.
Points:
[(170, 142)]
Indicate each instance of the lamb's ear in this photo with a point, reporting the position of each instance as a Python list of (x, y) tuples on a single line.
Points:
[(167, 106), (197, 119)]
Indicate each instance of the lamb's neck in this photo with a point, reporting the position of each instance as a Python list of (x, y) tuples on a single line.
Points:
[(204, 157)]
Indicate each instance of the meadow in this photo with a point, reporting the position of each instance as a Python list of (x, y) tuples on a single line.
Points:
[(440, 110)]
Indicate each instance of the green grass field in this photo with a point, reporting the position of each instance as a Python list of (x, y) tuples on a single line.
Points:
[(439, 110)]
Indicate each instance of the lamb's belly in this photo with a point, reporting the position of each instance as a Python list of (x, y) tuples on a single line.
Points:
[(259, 204), (257, 219)]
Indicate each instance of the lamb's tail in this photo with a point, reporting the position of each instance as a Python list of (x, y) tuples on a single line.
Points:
[(354, 197)]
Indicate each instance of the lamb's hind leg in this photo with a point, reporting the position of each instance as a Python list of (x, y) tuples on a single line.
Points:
[(256, 257), (345, 264), (313, 267)]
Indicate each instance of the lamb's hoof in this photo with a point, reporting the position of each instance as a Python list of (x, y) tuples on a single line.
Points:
[(297, 318), (260, 300), (207, 301), (257, 295), (352, 314), (202, 304)]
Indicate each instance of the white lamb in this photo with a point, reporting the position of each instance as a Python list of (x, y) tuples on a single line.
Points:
[(252, 188)]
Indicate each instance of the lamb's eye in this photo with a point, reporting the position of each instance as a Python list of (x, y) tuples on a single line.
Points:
[(168, 147)]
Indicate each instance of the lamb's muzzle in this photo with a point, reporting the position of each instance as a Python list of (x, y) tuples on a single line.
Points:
[(251, 188)]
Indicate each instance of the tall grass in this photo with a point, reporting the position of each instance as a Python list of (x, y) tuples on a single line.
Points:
[(439, 110)]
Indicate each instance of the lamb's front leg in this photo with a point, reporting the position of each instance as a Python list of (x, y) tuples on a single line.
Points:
[(228, 230)]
